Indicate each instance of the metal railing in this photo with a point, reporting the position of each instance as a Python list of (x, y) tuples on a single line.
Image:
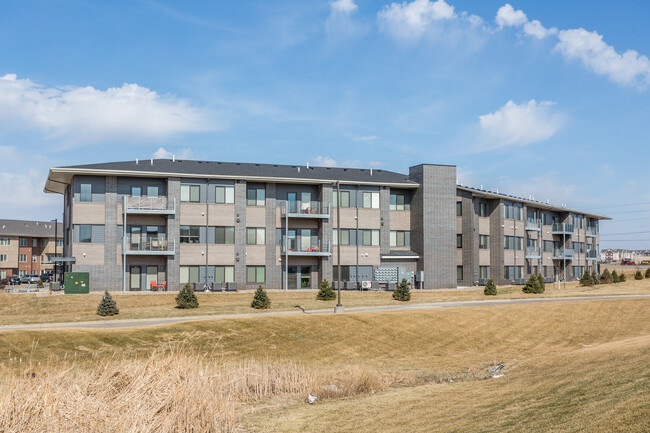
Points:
[(533, 224), (134, 204), (591, 231), (305, 246), (311, 209), (592, 255), (563, 253), (562, 228), (149, 244), (533, 252)]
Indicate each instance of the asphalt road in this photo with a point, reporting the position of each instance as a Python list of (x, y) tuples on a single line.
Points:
[(126, 323)]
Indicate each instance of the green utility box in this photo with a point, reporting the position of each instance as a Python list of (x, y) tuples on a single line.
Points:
[(76, 282)]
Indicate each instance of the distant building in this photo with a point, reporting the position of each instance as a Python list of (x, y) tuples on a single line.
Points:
[(27, 247), (613, 255)]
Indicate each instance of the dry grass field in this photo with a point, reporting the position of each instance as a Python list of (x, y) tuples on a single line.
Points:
[(29, 308), (578, 366)]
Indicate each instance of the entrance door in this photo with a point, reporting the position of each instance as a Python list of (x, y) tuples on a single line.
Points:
[(292, 277), (152, 276), (135, 278), (305, 277)]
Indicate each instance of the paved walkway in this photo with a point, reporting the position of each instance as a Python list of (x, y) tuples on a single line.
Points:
[(125, 323)]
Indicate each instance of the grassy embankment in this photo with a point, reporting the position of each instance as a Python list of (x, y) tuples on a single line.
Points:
[(568, 367)]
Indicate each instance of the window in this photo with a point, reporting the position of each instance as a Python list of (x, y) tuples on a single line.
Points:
[(224, 194), (371, 200), (44, 242), (545, 271), (3, 257), (459, 241), (189, 274), (5, 241), (513, 272), (136, 191), (345, 273), (59, 242), (397, 202), (532, 269), (34, 258), (370, 237), (513, 243), (532, 243), (224, 274), (22, 242), (459, 273), (484, 242), (459, 208), (22, 273), (190, 234), (85, 233), (578, 271), (483, 210), (484, 272), (400, 238), (548, 246), (22, 258), (255, 235), (579, 247), (3, 274), (255, 196), (512, 211), (255, 274), (190, 193), (345, 198), (224, 235), (34, 243), (86, 194), (346, 236), (152, 191)]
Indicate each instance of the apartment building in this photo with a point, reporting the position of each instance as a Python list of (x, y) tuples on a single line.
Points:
[(27, 247), (137, 223)]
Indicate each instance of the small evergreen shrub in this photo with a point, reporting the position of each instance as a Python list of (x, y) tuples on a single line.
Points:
[(540, 281), (325, 292), (638, 275), (403, 291), (490, 288), (261, 300), (39, 284), (586, 280), (594, 278), (186, 297), (532, 285), (615, 277), (606, 277), (622, 278), (647, 273), (107, 307)]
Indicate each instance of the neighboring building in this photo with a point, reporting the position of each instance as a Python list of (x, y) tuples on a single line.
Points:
[(611, 255), (277, 226), (27, 247)]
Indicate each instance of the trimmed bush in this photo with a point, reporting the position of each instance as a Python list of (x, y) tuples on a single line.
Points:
[(622, 278), (325, 292), (647, 273), (586, 280), (615, 277), (403, 291), (594, 278), (490, 288), (107, 307), (606, 277), (638, 275), (540, 281), (261, 300), (532, 285), (186, 298)]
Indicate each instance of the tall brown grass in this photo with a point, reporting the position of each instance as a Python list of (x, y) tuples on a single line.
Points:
[(167, 392)]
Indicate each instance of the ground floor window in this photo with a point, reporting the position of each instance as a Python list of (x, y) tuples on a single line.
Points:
[(484, 272), (255, 274), (578, 271), (345, 273), (459, 273), (22, 273), (545, 270), (513, 272), (3, 274), (224, 274), (532, 269), (189, 274)]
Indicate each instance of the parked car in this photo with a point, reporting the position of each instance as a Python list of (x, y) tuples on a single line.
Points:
[(31, 278), (46, 277), (14, 279), (627, 262)]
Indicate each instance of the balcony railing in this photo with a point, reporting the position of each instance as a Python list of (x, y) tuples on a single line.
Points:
[(144, 244), (562, 229), (149, 205), (305, 247), (563, 253), (312, 209), (534, 225), (591, 232), (533, 253), (592, 255)]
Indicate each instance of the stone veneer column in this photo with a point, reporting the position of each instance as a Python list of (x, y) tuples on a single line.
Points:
[(433, 223), (469, 232), (174, 233), (111, 274), (273, 267), (496, 242), (384, 220), (325, 234), (240, 234)]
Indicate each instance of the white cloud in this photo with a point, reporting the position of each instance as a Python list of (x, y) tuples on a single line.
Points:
[(345, 6), (163, 153), (326, 161), (408, 21), (508, 16), (535, 28), (630, 68), (519, 125), (366, 138), (86, 114), (323, 161)]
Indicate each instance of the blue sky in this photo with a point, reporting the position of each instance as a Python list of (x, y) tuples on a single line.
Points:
[(547, 99)]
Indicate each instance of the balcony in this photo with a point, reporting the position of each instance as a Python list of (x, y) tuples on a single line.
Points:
[(535, 225), (562, 229), (563, 254), (313, 209), (533, 253), (591, 232), (150, 245), (305, 247), (149, 205), (592, 255)]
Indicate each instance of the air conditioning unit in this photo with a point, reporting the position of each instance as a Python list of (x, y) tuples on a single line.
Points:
[(366, 285)]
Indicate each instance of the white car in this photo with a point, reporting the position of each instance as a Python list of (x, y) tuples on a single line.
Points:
[(31, 278)]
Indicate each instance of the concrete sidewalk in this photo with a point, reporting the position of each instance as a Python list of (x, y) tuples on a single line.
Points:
[(126, 323)]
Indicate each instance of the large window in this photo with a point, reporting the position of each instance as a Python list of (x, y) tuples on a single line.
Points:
[(22, 242), (459, 273), (513, 272), (86, 192), (513, 243), (459, 241), (189, 274), (255, 196), (370, 237), (224, 235), (347, 236), (548, 246), (190, 193), (484, 272), (578, 271), (255, 235), (345, 198), (59, 242), (224, 274), (579, 247), (44, 242), (483, 210), (345, 273), (5, 241), (399, 238), (85, 233), (3, 258), (398, 202), (459, 208), (22, 258), (370, 200), (484, 242), (255, 274), (512, 211), (190, 234), (224, 194)]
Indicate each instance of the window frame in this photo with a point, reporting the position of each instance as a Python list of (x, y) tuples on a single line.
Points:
[(189, 235), (256, 196), (85, 238), (483, 242), (228, 233), (255, 236), (228, 194), (189, 192), (459, 240), (86, 192), (256, 274)]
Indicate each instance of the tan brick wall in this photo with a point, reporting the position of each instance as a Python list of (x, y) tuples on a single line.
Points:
[(94, 254), (89, 213)]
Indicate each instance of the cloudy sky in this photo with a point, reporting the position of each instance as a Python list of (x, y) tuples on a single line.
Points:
[(544, 99)]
